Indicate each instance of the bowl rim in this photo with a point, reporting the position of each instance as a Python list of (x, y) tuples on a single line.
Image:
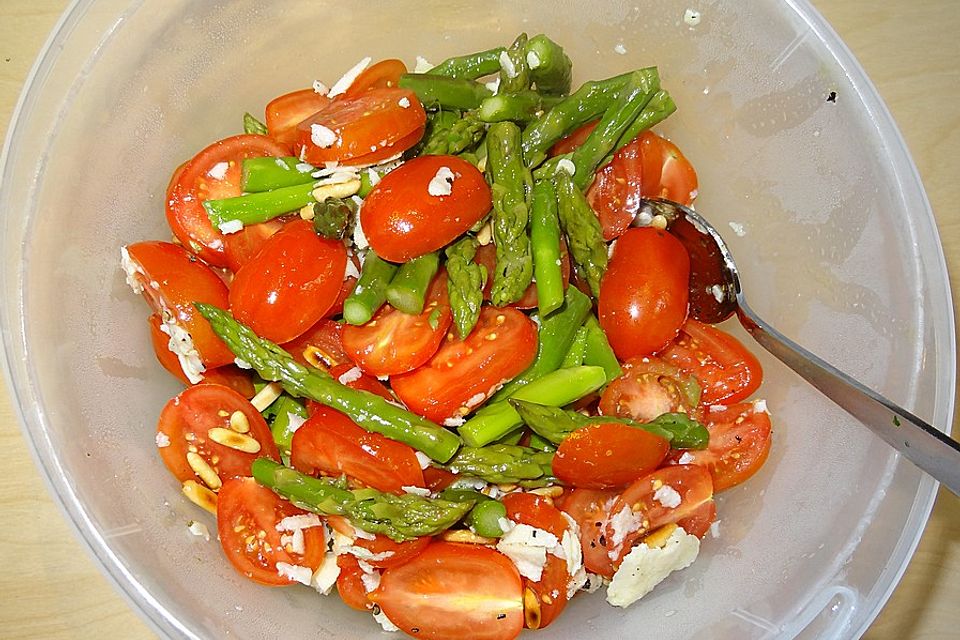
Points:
[(164, 622)]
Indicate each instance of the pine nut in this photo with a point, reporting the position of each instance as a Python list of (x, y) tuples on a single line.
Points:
[(204, 470), (338, 190), (531, 609), (659, 537), (266, 396), (463, 535), (239, 422), (234, 440), (200, 496), (548, 492)]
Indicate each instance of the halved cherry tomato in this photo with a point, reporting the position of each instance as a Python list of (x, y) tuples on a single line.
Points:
[(643, 295), (186, 421), (172, 280), (383, 75), (247, 519), (346, 288), (402, 220), (396, 342), (666, 172), (648, 388), (726, 370), (350, 583), (396, 552), (360, 125), (321, 341), (290, 285), (454, 591), (487, 256), (390, 151), (739, 444), (608, 455), (243, 246), (616, 191), (331, 443), (591, 509), (574, 140), (646, 503), (438, 478), (285, 112), (364, 382), (464, 373), (216, 173), (167, 359)]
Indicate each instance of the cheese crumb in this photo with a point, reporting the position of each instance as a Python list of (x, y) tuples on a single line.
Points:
[(359, 238), (163, 440), (533, 60), (131, 269), (299, 522), (686, 458), (454, 421), (717, 407), (715, 529), (442, 183), (667, 496), (295, 572), (219, 171), (404, 102), (565, 164), (230, 226), (422, 65), (493, 85), (717, 292), (760, 406), (241, 363), (325, 577), (527, 548), (738, 228), (507, 65), (341, 85), (423, 459), (322, 136), (417, 491), (319, 87), (350, 375), (383, 620), (691, 17), (645, 567), (199, 529), (623, 523), (619, 48), (294, 422)]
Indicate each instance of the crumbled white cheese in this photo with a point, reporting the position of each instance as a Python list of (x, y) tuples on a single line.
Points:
[(350, 270), (370, 577), (760, 406), (442, 183), (322, 136), (533, 60), (241, 363), (691, 17), (339, 543), (717, 407), (645, 567), (422, 65), (319, 87), (527, 548), (325, 577), (572, 552), (341, 85), (297, 542), (366, 555), (423, 459), (219, 170), (295, 572), (283, 165), (717, 292), (474, 400), (644, 218), (304, 167), (373, 177), (619, 48), (199, 529), (404, 102), (738, 228), (384, 621), (565, 164), (493, 85), (162, 439), (667, 496), (359, 238), (230, 226), (469, 483), (715, 529), (623, 523), (507, 65), (417, 491), (182, 344), (686, 458), (593, 583), (364, 535), (505, 524), (454, 421), (350, 375), (299, 522), (132, 269), (294, 422)]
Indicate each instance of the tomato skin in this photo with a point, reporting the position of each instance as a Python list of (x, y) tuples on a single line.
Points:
[(666, 172), (616, 191), (364, 382), (647, 389), (192, 184), (402, 220), (438, 478), (726, 370), (591, 509), (167, 359), (453, 591), (500, 347), (324, 336), (608, 455), (291, 283), (396, 342), (285, 112), (737, 450), (382, 75), (400, 551), (390, 151), (574, 140), (643, 295), (186, 421), (331, 443), (350, 583), (172, 281)]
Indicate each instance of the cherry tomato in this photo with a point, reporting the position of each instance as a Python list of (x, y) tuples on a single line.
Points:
[(643, 295), (453, 591), (666, 173), (616, 191), (591, 509), (574, 140), (346, 288), (242, 246), (319, 345), (331, 443), (383, 75), (350, 583), (290, 285), (648, 388), (359, 126), (608, 455), (172, 280), (464, 373), (740, 437), (397, 552), (726, 370), (390, 151), (216, 173), (396, 342), (247, 519), (186, 421), (487, 256), (402, 220), (438, 478), (285, 112)]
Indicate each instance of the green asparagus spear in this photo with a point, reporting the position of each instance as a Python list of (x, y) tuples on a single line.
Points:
[(331, 218), (252, 125), (514, 72), (465, 282), (555, 336), (660, 106), (368, 410), (371, 290), (539, 443), (598, 352), (500, 463), (511, 185), (577, 350), (399, 518), (545, 245), (288, 413), (265, 174), (582, 229), (550, 68), (555, 389), (407, 290), (450, 133), (522, 106), (484, 517), (448, 93), (471, 66), (258, 207)]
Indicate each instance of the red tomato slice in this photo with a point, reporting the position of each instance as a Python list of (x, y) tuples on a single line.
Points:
[(346, 288), (383, 75), (574, 140), (616, 191), (399, 552), (666, 173), (395, 342), (390, 151), (647, 389), (290, 285), (402, 220), (172, 280), (454, 591), (740, 438), (364, 382), (247, 519), (242, 246), (726, 370), (167, 359), (285, 112), (591, 509), (320, 344), (643, 295), (186, 422), (350, 583), (608, 455), (487, 256), (464, 373), (438, 478), (213, 174), (360, 125), (330, 443)]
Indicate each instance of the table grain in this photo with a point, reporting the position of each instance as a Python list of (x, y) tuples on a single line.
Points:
[(50, 588)]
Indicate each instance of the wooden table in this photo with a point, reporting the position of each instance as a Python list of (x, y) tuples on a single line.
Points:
[(50, 588)]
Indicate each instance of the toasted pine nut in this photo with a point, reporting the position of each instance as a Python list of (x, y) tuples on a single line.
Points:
[(531, 609), (234, 440), (548, 492), (338, 190), (239, 422), (464, 535), (658, 537), (204, 470), (485, 235), (266, 396), (659, 222), (506, 487), (307, 212), (200, 495), (222, 413)]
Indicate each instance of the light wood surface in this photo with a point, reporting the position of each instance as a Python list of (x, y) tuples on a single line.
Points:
[(49, 586)]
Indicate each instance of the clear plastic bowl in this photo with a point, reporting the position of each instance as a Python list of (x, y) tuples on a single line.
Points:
[(840, 251)]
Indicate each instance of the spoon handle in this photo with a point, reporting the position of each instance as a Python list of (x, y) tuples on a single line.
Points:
[(930, 449)]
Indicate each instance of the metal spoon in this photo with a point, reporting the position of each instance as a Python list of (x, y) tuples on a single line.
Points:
[(716, 294)]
